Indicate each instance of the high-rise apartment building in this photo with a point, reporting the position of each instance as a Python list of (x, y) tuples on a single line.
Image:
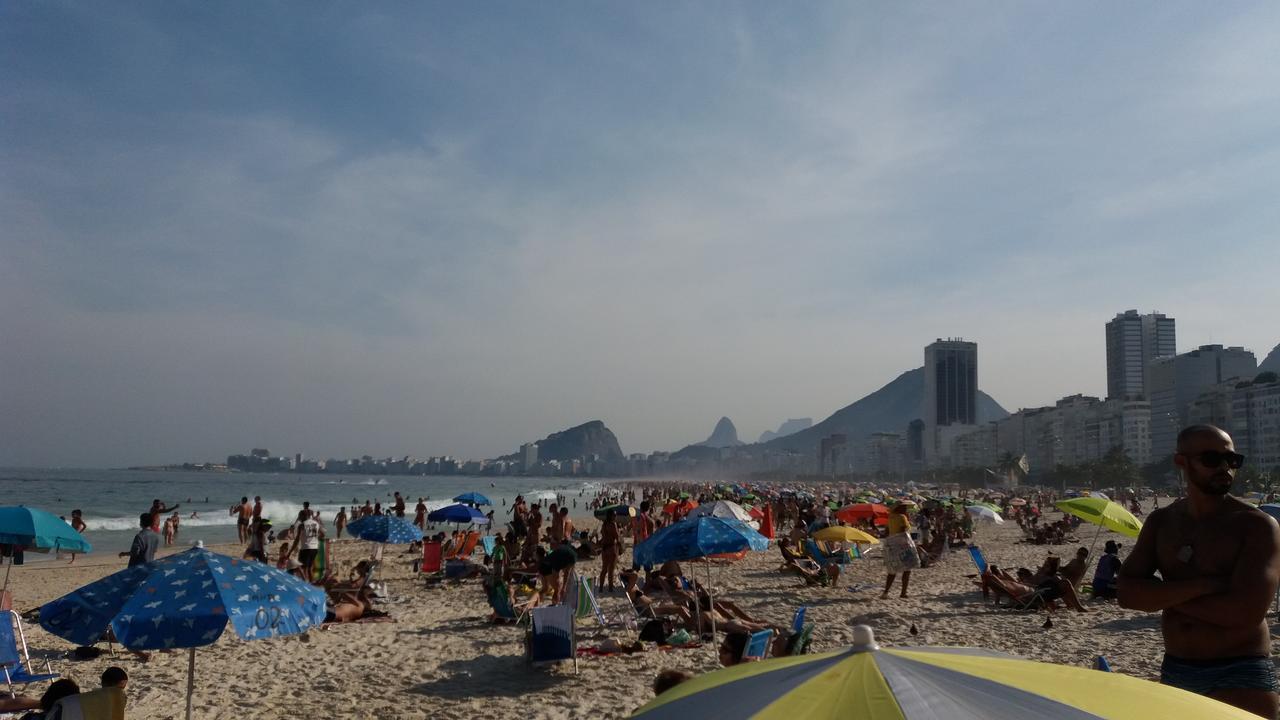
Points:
[(1133, 341), (950, 394), (1176, 382)]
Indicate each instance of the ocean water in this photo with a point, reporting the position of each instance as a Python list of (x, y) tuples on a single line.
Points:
[(111, 500)]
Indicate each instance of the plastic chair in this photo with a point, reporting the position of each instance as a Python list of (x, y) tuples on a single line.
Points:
[(14, 658)]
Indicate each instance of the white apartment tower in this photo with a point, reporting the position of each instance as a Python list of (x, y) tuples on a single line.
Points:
[(1133, 341)]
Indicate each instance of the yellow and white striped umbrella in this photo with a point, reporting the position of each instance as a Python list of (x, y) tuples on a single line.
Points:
[(865, 682)]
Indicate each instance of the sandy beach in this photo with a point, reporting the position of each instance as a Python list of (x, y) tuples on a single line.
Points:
[(442, 658)]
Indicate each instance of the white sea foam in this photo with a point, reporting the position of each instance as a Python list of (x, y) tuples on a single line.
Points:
[(281, 512)]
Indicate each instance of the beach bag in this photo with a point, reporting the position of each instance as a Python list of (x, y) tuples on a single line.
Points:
[(900, 554)]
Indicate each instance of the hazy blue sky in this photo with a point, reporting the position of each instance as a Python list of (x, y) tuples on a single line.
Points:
[(454, 227)]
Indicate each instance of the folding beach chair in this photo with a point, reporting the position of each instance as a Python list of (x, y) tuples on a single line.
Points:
[(589, 606), (797, 621), (431, 562), (505, 609), (758, 646), (979, 559), (1100, 663), (14, 658), (551, 638), (803, 642)]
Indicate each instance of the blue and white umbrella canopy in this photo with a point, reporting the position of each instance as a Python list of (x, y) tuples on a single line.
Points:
[(385, 529), (699, 537), (473, 498), (184, 601), (1271, 509), (457, 514)]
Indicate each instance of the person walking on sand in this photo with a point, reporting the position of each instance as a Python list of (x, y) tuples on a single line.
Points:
[(77, 524), (900, 553), (340, 522), (1219, 564)]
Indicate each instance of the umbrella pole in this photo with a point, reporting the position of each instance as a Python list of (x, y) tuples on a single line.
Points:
[(7, 568), (191, 680), (711, 601)]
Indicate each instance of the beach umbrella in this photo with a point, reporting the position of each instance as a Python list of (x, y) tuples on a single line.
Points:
[(985, 514), (38, 530), (457, 514), (1271, 509), (694, 538), (186, 601), (843, 533), (618, 510), (722, 508), (863, 511), (865, 682), (1103, 513), (473, 498), (548, 495), (990, 506), (385, 529)]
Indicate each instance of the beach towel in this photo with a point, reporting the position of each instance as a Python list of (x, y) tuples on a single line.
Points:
[(489, 542), (321, 563), (900, 554), (101, 704)]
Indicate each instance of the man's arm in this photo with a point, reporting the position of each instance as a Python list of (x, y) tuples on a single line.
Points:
[(1252, 584), (1137, 587)]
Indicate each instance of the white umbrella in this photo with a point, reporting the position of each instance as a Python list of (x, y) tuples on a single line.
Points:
[(985, 514), (722, 509)]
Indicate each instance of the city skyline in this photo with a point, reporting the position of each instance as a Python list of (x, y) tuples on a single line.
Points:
[(443, 230)]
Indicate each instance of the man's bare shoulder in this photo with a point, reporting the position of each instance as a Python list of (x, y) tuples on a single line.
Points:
[(1160, 516), (1251, 517)]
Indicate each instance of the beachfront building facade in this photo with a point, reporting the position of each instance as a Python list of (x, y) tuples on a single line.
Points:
[(1075, 430), (1176, 382), (950, 405), (1250, 411), (1133, 341)]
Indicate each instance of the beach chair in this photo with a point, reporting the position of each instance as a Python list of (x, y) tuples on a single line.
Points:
[(466, 548), (589, 606), (432, 561), (101, 704), (758, 646), (14, 657), (505, 609), (803, 642), (825, 559), (1100, 663), (797, 620), (551, 637), (979, 558)]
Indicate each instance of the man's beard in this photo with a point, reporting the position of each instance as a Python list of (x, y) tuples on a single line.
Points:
[(1216, 485)]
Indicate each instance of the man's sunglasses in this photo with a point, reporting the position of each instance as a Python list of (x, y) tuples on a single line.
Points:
[(1213, 458)]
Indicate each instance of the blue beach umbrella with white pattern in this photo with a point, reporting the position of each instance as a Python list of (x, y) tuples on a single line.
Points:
[(186, 601), (699, 537), (385, 529)]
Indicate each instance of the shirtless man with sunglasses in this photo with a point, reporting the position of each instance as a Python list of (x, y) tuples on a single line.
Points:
[(1219, 564)]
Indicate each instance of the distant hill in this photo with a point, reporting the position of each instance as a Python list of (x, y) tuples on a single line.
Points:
[(1272, 363), (589, 438), (790, 427), (724, 435), (888, 409)]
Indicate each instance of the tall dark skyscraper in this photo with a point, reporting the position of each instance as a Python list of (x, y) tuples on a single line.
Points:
[(950, 383), (1133, 341)]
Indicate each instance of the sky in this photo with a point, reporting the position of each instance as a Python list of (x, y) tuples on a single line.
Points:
[(449, 228)]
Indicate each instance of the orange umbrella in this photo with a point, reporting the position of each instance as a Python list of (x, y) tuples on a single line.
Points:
[(862, 511)]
